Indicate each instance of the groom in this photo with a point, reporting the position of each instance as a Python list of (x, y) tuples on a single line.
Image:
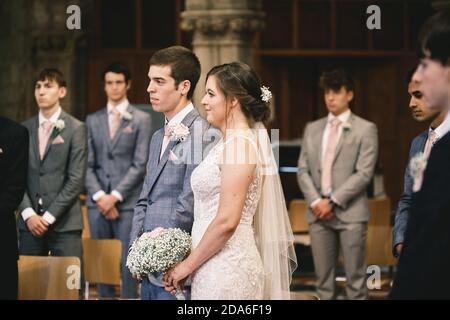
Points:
[(166, 199)]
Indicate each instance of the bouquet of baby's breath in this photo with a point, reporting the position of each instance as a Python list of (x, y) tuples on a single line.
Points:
[(158, 251)]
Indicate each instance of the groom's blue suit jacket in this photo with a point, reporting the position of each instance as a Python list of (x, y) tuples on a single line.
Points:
[(166, 199)]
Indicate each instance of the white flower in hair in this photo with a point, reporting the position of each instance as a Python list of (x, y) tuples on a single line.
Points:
[(266, 95)]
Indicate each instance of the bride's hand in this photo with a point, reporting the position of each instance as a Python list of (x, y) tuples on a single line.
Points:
[(176, 277)]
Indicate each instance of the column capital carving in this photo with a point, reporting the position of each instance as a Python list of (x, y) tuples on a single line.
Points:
[(221, 22)]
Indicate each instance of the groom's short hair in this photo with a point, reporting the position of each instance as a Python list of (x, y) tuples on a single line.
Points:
[(434, 37), (183, 63)]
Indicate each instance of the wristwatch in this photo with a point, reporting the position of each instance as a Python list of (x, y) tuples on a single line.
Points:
[(332, 203)]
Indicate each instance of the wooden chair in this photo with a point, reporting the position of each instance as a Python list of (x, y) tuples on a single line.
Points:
[(379, 235), (303, 296), (297, 215), (101, 262), (86, 233), (49, 278)]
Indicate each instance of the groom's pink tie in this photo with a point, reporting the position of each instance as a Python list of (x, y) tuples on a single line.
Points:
[(44, 135), (114, 122), (166, 140), (432, 138), (327, 161)]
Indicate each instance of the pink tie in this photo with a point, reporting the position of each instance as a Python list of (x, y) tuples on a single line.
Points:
[(432, 137), (114, 122), (166, 140), (327, 161), (44, 135)]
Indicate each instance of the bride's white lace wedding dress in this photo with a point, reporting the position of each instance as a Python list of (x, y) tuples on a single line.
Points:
[(236, 271)]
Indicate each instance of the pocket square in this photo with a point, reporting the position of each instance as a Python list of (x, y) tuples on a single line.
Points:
[(128, 130), (1, 151), (58, 140)]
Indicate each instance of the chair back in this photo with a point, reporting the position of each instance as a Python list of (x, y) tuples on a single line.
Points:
[(49, 278)]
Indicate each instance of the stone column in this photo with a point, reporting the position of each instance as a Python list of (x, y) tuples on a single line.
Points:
[(33, 36), (223, 31), (14, 53), (54, 45)]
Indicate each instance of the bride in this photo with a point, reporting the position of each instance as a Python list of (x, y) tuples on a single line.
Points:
[(242, 242)]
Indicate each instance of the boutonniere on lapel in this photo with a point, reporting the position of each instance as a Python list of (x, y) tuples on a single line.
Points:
[(60, 125), (126, 116), (417, 166), (346, 126), (179, 132)]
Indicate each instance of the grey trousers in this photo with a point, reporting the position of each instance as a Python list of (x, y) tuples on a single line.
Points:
[(326, 239)]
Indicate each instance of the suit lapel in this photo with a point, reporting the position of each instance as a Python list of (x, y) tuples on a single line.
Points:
[(123, 124), (422, 142), (104, 125), (54, 134), (187, 121), (35, 138)]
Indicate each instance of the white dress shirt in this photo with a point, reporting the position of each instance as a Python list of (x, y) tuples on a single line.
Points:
[(29, 212), (180, 115), (121, 108)]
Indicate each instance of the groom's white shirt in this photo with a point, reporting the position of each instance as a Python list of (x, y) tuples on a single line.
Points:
[(180, 115)]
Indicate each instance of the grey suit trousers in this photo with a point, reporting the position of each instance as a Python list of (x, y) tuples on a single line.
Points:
[(326, 238)]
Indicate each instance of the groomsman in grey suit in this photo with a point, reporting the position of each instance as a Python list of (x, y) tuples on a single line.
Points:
[(118, 139), (422, 143), (50, 220), (336, 164), (166, 199)]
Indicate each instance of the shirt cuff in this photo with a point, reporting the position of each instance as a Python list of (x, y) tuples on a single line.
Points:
[(98, 195), (49, 217), (117, 194), (27, 213), (335, 201), (315, 202)]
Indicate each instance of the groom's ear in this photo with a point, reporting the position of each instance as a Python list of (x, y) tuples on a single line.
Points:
[(184, 87)]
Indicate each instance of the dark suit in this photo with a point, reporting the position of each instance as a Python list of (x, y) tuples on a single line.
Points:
[(404, 205), (58, 179), (425, 260), (13, 175)]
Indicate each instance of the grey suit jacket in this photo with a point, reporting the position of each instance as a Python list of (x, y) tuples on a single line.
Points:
[(59, 177), (166, 199), (404, 205), (117, 164), (353, 167)]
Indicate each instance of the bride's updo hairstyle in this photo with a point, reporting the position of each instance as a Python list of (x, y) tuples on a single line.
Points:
[(238, 80)]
